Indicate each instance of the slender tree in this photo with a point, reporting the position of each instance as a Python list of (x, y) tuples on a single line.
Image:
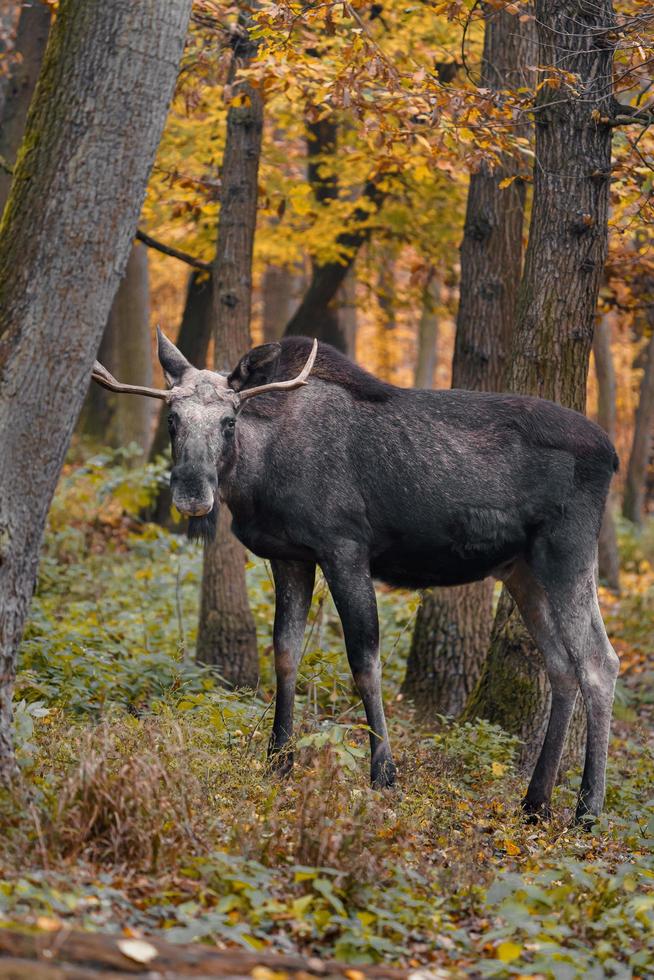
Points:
[(227, 636), (126, 351), (450, 639), (103, 92), (426, 356), (564, 264), (608, 557), (639, 455), (31, 39)]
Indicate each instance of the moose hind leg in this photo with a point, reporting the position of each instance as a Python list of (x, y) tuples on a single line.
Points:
[(293, 591), (597, 667), (538, 617), (350, 582)]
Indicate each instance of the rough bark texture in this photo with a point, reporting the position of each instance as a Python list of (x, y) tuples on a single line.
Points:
[(31, 39), (557, 298), (634, 492), (426, 356), (227, 637), (126, 351), (193, 341), (107, 77), (453, 626), (608, 557)]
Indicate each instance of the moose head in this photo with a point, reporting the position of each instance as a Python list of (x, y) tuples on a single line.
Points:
[(203, 412)]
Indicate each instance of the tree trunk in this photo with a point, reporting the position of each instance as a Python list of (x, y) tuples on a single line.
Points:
[(227, 636), (426, 356), (387, 320), (453, 626), (278, 288), (126, 351), (634, 492), (31, 39), (347, 311), (107, 78), (316, 316), (608, 557), (558, 295)]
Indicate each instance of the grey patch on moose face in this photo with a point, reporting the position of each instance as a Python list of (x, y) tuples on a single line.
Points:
[(199, 410)]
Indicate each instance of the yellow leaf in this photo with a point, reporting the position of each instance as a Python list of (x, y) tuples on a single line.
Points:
[(507, 181), (48, 924), (498, 769), (508, 952), (511, 848)]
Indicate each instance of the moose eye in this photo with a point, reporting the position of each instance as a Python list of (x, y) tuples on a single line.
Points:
[(172, 424), (230, 424)]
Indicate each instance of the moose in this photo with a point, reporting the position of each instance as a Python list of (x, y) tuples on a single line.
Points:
[(321, 463)]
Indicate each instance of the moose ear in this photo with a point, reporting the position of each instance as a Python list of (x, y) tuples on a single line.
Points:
[(173, 362), (258, 363)]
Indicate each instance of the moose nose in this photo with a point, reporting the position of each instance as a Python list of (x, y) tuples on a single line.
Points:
[(193, 493)]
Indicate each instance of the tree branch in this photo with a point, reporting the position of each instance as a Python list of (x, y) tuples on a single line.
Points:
[(628, 115), (174, 253)]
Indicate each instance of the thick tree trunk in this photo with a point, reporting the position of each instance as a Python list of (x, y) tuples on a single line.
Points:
[(227, 636), (31, 39), (126, 351), (453, 626), (426, 355), (634, 492), (558, 294), (107, 78), (193, 341), (608, 557)]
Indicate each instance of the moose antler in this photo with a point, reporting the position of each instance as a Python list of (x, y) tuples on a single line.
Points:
[(107, 380), (296, 382)]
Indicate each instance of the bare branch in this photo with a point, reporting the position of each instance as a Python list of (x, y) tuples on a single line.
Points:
[(174, 253)]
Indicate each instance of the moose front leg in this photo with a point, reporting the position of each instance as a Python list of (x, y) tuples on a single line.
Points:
[(350, 582), (293, 591)]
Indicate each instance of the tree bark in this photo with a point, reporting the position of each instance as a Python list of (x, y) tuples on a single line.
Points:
[(107, 78), (278, 289), (126, 351), (386, 322), (347, 311), (426, 356), (227, 635), (31, 39), (557, 299), (453, 626), (608, 557), (635, 486)]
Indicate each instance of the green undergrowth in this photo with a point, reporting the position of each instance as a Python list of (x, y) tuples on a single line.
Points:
[(144, 802)]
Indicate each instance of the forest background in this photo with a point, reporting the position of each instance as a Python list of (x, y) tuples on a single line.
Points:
[(383, 177)]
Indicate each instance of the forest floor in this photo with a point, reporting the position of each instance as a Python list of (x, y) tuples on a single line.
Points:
[(144, 805)]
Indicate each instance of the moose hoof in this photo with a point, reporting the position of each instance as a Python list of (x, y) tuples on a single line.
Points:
[(383, 774), (536, 812)]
